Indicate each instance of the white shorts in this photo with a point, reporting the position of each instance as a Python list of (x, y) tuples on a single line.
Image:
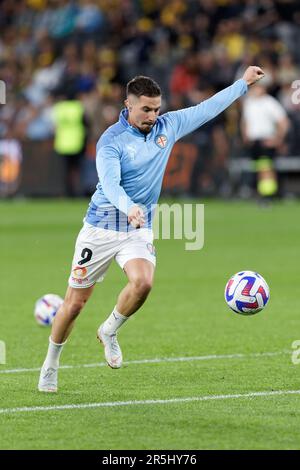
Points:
[(96, 248)]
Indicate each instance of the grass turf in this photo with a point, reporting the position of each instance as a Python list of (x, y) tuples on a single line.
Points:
[(185, 315)]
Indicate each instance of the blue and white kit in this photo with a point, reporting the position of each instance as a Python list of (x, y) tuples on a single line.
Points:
[(131, 167)]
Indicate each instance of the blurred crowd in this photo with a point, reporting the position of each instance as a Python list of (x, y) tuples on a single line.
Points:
[(193, 48)]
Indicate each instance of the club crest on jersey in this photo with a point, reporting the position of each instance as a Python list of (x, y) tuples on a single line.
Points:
[(161, 140)]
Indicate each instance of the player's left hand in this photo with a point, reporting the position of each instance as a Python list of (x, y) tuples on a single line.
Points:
[(253, 74)]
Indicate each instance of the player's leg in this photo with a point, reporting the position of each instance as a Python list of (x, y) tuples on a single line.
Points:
[(140, 274), (63, 323), (94, 252)]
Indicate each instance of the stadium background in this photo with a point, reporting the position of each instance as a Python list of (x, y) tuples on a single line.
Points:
[(192, 48)]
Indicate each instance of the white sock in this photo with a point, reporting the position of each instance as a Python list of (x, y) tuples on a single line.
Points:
[(113, 322), (53, 354)]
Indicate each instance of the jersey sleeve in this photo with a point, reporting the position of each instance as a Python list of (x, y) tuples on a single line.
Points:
[(109, 172), (187, 120)]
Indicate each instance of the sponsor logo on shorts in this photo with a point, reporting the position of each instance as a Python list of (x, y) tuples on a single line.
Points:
[(79, 272), (79, 281), (151, 249), (161, 141)]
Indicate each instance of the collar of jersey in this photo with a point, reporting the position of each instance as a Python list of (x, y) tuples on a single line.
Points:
[(133, 130)]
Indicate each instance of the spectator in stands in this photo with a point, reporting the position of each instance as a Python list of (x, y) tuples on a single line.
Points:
[(71, 128), (264, 127), (10, 164), (100, 44)]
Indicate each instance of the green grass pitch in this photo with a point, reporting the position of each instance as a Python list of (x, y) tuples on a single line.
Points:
[(184, 317)]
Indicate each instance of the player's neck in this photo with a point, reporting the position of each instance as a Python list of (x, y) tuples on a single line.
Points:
[(142, 131)]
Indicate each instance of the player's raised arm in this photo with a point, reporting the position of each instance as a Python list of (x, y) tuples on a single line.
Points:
[(187, 120), (109, 172)]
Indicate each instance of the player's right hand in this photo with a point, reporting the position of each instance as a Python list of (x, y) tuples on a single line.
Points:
[(253, 74), (136, 217)]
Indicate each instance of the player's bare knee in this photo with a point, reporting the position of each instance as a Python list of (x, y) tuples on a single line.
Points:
[(75, 300), (74, 306), (142, 286), (77, 306)]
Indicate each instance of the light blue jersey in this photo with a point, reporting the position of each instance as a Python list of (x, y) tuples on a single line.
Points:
[(131, 164)]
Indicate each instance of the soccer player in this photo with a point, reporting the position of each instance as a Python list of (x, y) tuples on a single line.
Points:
[(131, 159)]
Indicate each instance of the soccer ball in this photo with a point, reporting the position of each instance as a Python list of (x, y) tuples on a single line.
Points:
[(247, 293), (46, 307)]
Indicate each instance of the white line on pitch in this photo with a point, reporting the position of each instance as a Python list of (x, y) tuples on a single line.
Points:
[(159, 361), (111, 404)]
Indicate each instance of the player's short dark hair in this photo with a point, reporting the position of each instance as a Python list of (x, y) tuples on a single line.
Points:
[(141, 85)]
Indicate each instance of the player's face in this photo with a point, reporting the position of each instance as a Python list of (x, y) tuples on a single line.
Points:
[(143, 111)]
